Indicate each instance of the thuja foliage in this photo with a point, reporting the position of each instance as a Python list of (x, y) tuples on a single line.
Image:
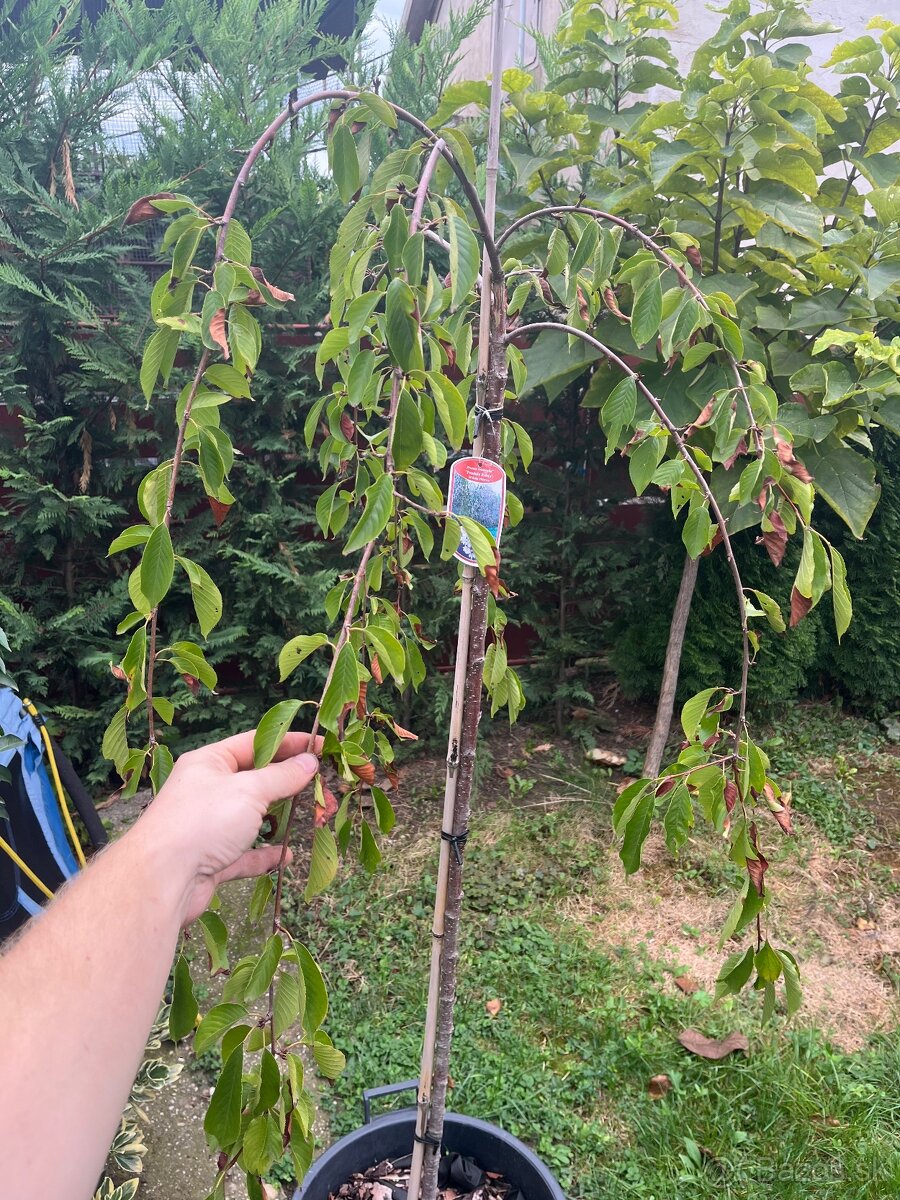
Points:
[(137, 101), (404, 390)]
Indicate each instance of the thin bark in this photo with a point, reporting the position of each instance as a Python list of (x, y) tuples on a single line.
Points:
[(671, 667)]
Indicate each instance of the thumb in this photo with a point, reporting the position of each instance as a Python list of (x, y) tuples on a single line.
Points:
[(281, 779)]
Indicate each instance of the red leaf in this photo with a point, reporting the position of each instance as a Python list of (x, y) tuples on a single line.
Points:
[(219, 510), (731, 795), (493, 1007), (785, 454), (365, 772), (117, 672), (694, 257), (583, 311), (143, 210), (324, 815), (775, 539), (193, 684), (276, 293), (705, 414), (800, 606), (348, 429), (757, 867), (217, 332), (666, 786), (739, 451), (658, 1086), (712, 1048), (361, 700), (687, 984), (779, 808), (376, 669)]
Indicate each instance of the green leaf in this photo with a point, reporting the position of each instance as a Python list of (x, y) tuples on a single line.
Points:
[(343, 689), (216, 1024), (379, 108), (135, 535), (465, 258), (618, 412), (793, 992), (406, 443), (396, 236), (262, 1144), (772, 610), (215, 935), (269, 1082), (287, 1002), (384, 812), (378, 511), (698, 531), (205, 594), (115, 740), (223, 1117), (161, 761), (846, 480), (264, 969), (271, 730), (843, 606), (389, 651), (679, 818), (238, 247), (451, 408), (636, 833), (646, 313), (401, 327), (316, 1007), (157, 566), (525, 444), (159, 355), (730, 335), (481, 541), (344, 162), (153, 493), (296, 650), (262, 894), (643, 461), (183, 1011), (323, 863), (369, 854), (694, 711), (329, 1060), (225, 378), (302, 1146), (697, 354), (736, 970)]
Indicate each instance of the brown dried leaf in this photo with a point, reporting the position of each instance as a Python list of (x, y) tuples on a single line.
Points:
[(658, 1087), (348, 429), (543, 748), (493, 1007), (117, 672), (694, 257), (739, 451), (217, 332), (219, 510), (800, 606), (731, 795), (192, 684), (784, 452), (687, 984), (376, 669), (609, 299), (361, 700), (364, 772), (143, 210), (713, 1048), (276, 293), (775, 539), (757, 867)]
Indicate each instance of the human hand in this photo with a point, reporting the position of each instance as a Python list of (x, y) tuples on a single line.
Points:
[(211, 808)]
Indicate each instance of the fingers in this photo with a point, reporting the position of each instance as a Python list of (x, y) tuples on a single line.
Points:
[(281, 779), (239, 748), (252, 863)]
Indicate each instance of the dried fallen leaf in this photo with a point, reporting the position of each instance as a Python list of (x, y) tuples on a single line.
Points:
[(659, 1086), (493, 1007), (605, 758), (687, 984), (713, 1048), (543, 748)]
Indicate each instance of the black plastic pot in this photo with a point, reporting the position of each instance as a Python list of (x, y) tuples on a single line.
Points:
[(391, 1136)]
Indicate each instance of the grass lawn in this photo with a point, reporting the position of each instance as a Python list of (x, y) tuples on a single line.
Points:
[(584, 964)]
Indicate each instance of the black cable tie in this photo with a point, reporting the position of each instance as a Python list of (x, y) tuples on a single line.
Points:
[(456, 840), (481, 413), (425, 1139)]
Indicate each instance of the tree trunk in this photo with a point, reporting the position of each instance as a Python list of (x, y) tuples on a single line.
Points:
[(669, 686)]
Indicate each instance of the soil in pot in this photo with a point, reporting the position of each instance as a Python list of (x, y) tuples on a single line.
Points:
[(459, 1178)]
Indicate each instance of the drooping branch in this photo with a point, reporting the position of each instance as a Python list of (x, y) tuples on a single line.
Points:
[(684, 451), (663, 255)]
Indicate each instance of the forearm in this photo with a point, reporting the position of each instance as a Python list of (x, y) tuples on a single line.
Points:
[(78, 994)]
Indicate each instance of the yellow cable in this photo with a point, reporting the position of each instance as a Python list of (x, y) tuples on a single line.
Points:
[(23, 866), (57, 782)]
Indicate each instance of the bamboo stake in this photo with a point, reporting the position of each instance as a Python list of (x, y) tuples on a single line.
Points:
[(464, 717)]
